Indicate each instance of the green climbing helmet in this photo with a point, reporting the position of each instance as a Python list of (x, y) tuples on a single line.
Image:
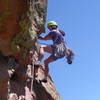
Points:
[(52, 23)]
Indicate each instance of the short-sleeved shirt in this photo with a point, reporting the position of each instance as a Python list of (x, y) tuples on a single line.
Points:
[(56, 36)]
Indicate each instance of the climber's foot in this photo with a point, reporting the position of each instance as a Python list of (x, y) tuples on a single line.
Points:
[(69, 61), (70, 57)]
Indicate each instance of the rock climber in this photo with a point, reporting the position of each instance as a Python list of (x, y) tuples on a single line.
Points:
[(57, 50)]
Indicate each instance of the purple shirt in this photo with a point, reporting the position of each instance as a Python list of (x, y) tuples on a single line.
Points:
[(56, 36)]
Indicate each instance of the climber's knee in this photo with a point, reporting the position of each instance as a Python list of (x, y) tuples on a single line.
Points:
[(41, 53), (42, 49), (46, 62)]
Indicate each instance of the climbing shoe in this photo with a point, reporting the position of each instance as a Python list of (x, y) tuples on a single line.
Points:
[(70, 56)]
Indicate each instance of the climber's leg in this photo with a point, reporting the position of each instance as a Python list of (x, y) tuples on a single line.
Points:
[(46, 63), (46, 70), (44, 49)]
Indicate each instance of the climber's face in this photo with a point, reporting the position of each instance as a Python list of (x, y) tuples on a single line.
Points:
[(50, 28)]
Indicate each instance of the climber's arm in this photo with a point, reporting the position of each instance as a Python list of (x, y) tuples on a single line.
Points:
[(47, 37)]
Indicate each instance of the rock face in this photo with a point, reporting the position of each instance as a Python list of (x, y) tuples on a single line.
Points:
[(21, 21), (23, 83)]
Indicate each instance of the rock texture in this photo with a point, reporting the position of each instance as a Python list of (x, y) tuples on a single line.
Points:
[(23, 83), (21, 21)]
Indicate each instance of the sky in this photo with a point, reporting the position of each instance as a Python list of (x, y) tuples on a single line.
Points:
[(80, 19)]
